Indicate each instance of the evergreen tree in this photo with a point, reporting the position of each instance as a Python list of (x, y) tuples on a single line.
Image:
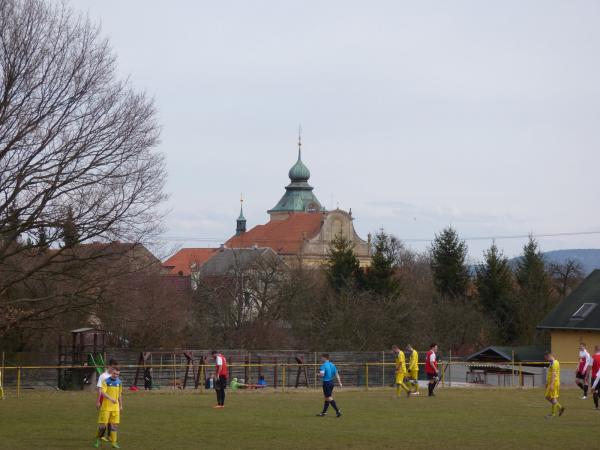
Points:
[(343, 267), (448, 264), (496, 294), (42, 238), (381, 276), (69, 230), (534, 290), (9, 227)]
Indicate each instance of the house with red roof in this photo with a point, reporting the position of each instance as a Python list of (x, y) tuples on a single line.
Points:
[(187, 260)]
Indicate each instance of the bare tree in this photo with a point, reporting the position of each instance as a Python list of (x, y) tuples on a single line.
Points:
[(77, 163), (566, 276), (240, 298)]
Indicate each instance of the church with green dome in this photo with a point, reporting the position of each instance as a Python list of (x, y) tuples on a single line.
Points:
[(300, 228)]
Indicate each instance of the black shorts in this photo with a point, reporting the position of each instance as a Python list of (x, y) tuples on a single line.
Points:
[(221, 383), (328, 388), (580, 376), (432, 376)]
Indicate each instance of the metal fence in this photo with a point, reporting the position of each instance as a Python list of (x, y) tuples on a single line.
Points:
[(279, 369)]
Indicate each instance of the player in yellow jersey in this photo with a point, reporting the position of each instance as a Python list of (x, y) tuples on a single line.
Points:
[(413, 369), (553, 385), (400, 371), (110, 408)]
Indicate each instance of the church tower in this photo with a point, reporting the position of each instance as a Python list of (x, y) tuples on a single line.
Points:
[(241, 220), (299, 196)]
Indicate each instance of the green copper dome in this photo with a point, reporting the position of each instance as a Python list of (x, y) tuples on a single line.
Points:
[(299, 172), (298, 195)]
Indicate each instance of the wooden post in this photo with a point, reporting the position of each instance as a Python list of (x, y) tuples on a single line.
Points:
[(199, 373), (521, 381), (141, 362), (275, 375), (203, 374), (316, 370), (160, 375), (190, 363), (60, 361), (260, 373), (383, 369), (450, 369), (443, 375), (248, 378), (367, 377), (18, 381), (283, 378), (2, 378), (512, 378), (174, 373)]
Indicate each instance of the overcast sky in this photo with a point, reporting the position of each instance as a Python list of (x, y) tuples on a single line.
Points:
[(417, 115)]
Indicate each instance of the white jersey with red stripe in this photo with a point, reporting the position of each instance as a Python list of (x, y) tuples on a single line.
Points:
[(595, 370), (585, 361), (431, 362), (221, 361)]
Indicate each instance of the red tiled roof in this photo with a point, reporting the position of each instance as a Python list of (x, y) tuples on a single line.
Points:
[(283, 236), (184, 258)]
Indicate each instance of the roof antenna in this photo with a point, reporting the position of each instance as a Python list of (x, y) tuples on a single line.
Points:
[(299, 141)]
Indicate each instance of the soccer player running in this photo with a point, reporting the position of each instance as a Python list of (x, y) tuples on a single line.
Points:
[(413, 369), (583, 370), (401, 371), (553, 385), (221, 375), (110, 409), (101, 378), (596, 375), (431, 368), (328, 371)]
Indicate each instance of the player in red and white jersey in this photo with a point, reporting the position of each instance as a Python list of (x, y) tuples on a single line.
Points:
[(431, 368), (221, 375), (596, 375), (582, 375)]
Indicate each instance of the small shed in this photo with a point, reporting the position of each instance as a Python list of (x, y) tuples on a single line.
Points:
[(504, 363)]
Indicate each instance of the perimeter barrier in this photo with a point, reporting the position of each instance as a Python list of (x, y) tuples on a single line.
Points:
[(16, 379)]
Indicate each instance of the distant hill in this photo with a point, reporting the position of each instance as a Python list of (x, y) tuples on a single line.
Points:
[(589, 258)]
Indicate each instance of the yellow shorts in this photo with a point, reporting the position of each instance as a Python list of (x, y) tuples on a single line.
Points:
[(414, 374), (400, 377), (552, 393), (109, 417)]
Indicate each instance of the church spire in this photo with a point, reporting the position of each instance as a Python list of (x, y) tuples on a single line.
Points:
[(299, 142), (299, 172), (241, 220)]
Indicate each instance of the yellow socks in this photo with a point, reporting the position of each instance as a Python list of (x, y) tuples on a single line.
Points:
[(113, 436)]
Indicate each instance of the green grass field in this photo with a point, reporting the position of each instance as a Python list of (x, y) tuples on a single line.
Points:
[(454, 419)]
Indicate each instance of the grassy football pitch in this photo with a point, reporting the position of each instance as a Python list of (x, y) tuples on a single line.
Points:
[(454, 419)]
